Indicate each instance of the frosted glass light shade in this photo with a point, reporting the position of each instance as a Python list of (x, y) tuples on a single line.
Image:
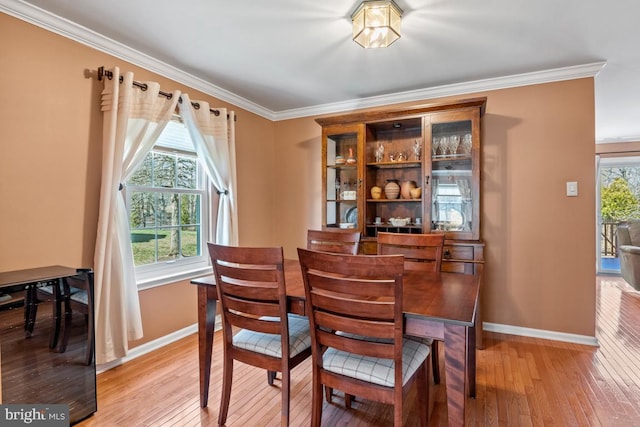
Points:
[(376, 23)]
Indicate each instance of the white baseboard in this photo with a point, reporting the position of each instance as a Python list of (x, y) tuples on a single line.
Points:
[(541, 333), (491, 327), (154, 345)]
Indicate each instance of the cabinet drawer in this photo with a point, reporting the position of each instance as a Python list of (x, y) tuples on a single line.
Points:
[(457, 267), (462, 257), (457, 252)]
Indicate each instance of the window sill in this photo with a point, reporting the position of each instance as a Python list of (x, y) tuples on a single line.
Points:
[(173, 277)]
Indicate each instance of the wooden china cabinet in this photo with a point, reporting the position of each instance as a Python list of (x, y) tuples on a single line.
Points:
[(433, 149)]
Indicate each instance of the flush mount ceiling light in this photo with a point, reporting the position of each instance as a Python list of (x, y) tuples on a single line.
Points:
[(376, 23)]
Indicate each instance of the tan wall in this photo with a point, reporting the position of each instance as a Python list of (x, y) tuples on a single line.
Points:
[(50, 163), (540, 244)]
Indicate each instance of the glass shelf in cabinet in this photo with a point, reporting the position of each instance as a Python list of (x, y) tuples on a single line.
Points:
[(342, 166), (450, 157), (451, 172), (395, 165), (392, 200)]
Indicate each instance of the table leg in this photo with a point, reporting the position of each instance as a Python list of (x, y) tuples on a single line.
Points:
[(455, 360), (206, 323), (471, 361)]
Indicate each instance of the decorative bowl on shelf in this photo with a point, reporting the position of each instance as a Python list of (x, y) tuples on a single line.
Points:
[(340, 160), (348, 195), (406, 187), (399, 222)]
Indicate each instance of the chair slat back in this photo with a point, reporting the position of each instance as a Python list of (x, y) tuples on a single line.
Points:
[(356, 295), (422, 252), (335, 241), (250, 284)]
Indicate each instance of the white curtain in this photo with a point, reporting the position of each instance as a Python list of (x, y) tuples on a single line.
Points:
[(213, 138), (132, 121)]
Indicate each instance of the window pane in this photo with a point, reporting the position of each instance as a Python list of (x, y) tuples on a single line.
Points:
[(189, 209), (167, 209), (190, 241), (143, 243), (144, 173), (187, 173), (142, 209), (168, 244), (165, 170)]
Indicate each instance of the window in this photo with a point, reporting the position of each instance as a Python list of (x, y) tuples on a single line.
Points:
[(167, 204), (618, 197)]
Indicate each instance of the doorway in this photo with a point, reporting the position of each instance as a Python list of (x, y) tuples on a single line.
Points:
[(618, 200)]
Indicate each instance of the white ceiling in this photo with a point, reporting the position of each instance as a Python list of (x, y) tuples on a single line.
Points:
[(291, 58)]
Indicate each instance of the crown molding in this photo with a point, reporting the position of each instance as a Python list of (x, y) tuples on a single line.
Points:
[(506, 82), (83, 35)]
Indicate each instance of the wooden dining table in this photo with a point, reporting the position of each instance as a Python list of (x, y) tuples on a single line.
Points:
[(441, 306)]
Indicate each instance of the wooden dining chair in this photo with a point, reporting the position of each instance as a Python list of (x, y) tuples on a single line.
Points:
[(336, 241), (422, 252), (251, 291), (348, 296)]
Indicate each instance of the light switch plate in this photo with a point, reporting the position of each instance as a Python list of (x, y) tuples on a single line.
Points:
[(572, 188)]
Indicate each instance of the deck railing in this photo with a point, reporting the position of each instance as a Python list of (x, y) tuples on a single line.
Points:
[(609, 247)]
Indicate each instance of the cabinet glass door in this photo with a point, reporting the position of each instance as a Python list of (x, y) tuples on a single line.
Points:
[(394, 157), (341, 181), (454, 178)]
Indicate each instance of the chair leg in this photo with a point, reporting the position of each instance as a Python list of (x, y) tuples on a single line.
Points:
[(348, 398), (286, 391), (328, 392), (422, 382), (227, 377), (435, 362), (316, 401), (397, 413), (271, 376)]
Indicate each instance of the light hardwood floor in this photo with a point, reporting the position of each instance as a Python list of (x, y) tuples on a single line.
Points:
[(521, 382)]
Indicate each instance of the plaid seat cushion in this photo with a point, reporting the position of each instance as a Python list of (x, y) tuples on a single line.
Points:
[(373, 369), (270, 344)]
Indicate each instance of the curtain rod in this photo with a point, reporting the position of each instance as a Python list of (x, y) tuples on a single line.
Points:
[(102, 73)]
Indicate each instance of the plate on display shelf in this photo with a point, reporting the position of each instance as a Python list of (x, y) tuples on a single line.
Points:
[(352, 215)]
